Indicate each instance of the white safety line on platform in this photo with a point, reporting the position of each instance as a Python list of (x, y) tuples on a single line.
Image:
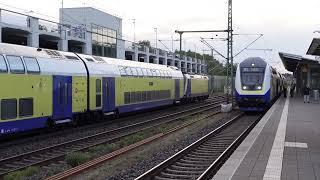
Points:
[(296, 144), (274, 166), (232, 164)]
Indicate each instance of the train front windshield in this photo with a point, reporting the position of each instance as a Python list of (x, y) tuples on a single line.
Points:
[(252, 76)]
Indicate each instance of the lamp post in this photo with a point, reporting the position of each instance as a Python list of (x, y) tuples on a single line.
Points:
[(156, 30)]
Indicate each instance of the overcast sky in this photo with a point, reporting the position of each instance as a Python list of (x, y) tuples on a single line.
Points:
[(287, 25)]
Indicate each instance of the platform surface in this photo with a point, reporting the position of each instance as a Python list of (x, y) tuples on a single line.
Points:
[(285, 144)]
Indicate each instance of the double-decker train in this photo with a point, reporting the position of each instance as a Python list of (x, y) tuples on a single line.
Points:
[(42, 87), (257, 84)]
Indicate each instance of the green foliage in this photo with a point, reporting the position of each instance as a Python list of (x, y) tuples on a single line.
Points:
[(106, 148), (21, 174), (131, 139), (76, 158), (145, 43)]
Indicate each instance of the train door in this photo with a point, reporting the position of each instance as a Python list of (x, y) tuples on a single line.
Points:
[(189, 88), (62, 97), (108, 89), (177, 89)]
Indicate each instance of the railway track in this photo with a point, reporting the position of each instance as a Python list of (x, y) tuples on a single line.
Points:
[(204, 157), (58, 151)]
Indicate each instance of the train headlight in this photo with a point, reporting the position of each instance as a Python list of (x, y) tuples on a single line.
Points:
[(244, 87), (259, 87)]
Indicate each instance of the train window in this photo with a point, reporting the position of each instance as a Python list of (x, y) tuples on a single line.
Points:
[(32, 65), (158, 73), (25, 107), (98, 85), (133, 97), (8, 109), (3, 65), (127, 98), (122, 71), (15, 64), (138, 96), (134, 71), (89, 59), (140, 72), (128, 71), (66, 93), (149, 72), (60, 93), (98, 92), (72, 57), (149, 95), (144, 96)]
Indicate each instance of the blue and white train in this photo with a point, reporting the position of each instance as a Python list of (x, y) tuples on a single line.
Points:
[(257, 84)]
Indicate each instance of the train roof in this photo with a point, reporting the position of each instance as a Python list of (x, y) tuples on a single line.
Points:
[(253, 61), (50, 61)]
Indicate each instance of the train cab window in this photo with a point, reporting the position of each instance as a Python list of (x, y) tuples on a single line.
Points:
[(15, 64), (3, 65), (25, 107), (98, 92), (32, 65), (8, 109)]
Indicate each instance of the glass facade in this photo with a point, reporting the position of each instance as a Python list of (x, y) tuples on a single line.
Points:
[(315, 78), (104, 41)]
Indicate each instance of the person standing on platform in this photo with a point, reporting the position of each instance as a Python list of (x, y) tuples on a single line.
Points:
[(292, 87), (306, 93), (285, 90)]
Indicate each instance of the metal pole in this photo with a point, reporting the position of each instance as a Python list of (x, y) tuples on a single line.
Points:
[(134, 30), (156, 30), (230, 52)]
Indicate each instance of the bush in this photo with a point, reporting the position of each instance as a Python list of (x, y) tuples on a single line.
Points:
[(106, 148), (76, 158), (22, 174)]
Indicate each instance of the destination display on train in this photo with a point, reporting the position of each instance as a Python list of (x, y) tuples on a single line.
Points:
[(252, 69)]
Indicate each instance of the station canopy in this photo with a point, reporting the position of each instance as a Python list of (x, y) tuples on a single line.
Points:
[(292, 61), (314, 48)]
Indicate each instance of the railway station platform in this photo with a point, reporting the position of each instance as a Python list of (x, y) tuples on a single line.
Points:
[(285, 144)]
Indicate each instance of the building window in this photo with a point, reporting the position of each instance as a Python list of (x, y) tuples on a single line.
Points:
[(3, 65), (104, 41), (26, 107), (8, 109), (15, 64)]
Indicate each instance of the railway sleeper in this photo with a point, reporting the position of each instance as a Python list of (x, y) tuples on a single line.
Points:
[(202, 153), (177, 176), (197, 158), (183, 172), (184, 168), (185, 164), (201, 156), (194, 161)]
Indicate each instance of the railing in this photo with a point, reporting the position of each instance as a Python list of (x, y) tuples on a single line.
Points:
[(162, 52), (14, 18), (141, 48), (129, 45), (152, 50)]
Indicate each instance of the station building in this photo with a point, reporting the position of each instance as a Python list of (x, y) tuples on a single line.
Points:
[(305, 70), (90, 31)]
